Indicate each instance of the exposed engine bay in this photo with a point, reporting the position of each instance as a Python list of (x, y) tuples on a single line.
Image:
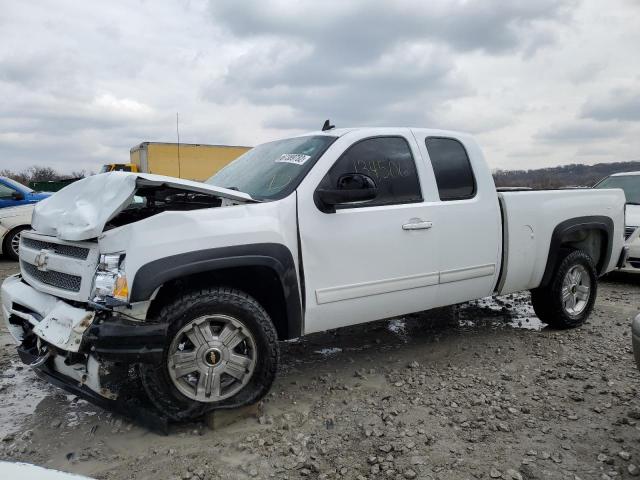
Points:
[(86, 208), (150, 201)]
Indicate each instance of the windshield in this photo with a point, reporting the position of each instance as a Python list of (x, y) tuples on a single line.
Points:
[(17, 185), (272, 170), (629, 183)]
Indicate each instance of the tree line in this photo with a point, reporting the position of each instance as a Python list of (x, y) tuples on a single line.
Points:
[(574, 175), (41, 174)]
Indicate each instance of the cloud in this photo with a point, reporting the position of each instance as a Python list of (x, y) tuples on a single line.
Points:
[(541, 82), (367, 62), (360, 29), (620, 103), (577, 132), (373, 93)]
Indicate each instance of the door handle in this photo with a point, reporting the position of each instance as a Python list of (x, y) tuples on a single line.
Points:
[(417, 224)]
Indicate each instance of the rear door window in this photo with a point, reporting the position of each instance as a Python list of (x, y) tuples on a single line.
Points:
[(452, 168)]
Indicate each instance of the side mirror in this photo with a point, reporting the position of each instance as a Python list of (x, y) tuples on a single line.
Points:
[(17, 196), (351, 188)]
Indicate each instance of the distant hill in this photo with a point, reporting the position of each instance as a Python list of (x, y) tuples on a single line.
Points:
[(575, 175)]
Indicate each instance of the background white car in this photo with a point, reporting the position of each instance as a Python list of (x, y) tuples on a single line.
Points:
[(25, 471), (13, 221), (630, 183)]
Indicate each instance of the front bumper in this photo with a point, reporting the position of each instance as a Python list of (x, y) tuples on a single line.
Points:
[(632, 263), (89, 350)]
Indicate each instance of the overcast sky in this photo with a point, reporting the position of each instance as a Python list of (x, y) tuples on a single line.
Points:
[(540, 83)]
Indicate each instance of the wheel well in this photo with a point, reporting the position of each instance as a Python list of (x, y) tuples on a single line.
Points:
[(592, 235), (591, 241), (262, 283)]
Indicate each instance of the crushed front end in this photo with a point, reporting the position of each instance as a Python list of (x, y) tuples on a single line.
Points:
[(56, 311)]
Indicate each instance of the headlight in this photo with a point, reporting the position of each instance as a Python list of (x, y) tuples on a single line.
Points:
[(110, 280)]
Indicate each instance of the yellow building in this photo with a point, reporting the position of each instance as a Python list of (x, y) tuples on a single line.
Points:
[(188, 161)]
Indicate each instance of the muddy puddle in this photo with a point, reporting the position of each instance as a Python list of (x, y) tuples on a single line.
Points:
[(21, 393), (24, 396), (513, 310), (507, 311)]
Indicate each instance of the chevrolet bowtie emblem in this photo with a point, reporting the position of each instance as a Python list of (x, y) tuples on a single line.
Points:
[(41, 260)]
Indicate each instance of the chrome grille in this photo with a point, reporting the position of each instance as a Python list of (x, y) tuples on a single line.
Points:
[(628, 231), (60, 280), (58, 267), (61, 249)]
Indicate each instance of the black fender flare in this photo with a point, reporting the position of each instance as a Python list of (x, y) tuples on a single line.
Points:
[(596, 222), (275, 256)]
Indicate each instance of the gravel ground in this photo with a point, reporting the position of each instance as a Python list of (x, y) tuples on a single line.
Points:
[(481, 390)]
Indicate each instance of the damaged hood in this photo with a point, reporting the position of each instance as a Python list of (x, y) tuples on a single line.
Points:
[(81, 210)]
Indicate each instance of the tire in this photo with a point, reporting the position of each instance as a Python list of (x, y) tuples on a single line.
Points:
[(11, 241), (569, 298), (203, 367)]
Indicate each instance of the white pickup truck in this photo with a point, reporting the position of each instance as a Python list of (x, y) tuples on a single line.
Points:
[(185, 288)]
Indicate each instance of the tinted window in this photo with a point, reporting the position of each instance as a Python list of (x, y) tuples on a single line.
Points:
[(452, 168), (629, 183), (5, 191), (388, 161)]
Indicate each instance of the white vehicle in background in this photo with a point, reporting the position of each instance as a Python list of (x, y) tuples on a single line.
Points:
[(26, 471), (191, 286), (629, 182), (13, 221)]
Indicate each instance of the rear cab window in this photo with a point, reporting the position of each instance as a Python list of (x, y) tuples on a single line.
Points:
[(452, 168)]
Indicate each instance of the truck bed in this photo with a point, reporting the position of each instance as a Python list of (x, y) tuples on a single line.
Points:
[(529, 219)]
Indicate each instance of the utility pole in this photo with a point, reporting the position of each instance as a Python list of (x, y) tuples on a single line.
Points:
[(178, 133)]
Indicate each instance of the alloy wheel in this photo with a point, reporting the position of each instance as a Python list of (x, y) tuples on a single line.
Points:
[(211, 358), (576, 290)]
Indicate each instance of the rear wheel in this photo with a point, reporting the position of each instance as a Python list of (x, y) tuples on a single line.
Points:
[(221, 352), (11, 243), (569, 298)]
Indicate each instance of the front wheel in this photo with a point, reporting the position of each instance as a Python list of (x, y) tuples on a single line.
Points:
[(221, 352), (569, 298)]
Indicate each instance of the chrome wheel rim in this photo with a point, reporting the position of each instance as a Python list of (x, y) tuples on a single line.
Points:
[(15, 244), (211, 358), (576, 290)]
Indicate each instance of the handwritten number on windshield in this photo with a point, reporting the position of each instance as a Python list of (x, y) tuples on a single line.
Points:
[(276, 184)]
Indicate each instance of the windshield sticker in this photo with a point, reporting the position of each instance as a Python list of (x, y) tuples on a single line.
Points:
[(295, 158)]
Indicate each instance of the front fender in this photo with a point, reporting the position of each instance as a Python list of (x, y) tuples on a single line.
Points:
[(277, 257)]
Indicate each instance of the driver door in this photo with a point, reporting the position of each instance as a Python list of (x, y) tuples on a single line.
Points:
[(374, 259)]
